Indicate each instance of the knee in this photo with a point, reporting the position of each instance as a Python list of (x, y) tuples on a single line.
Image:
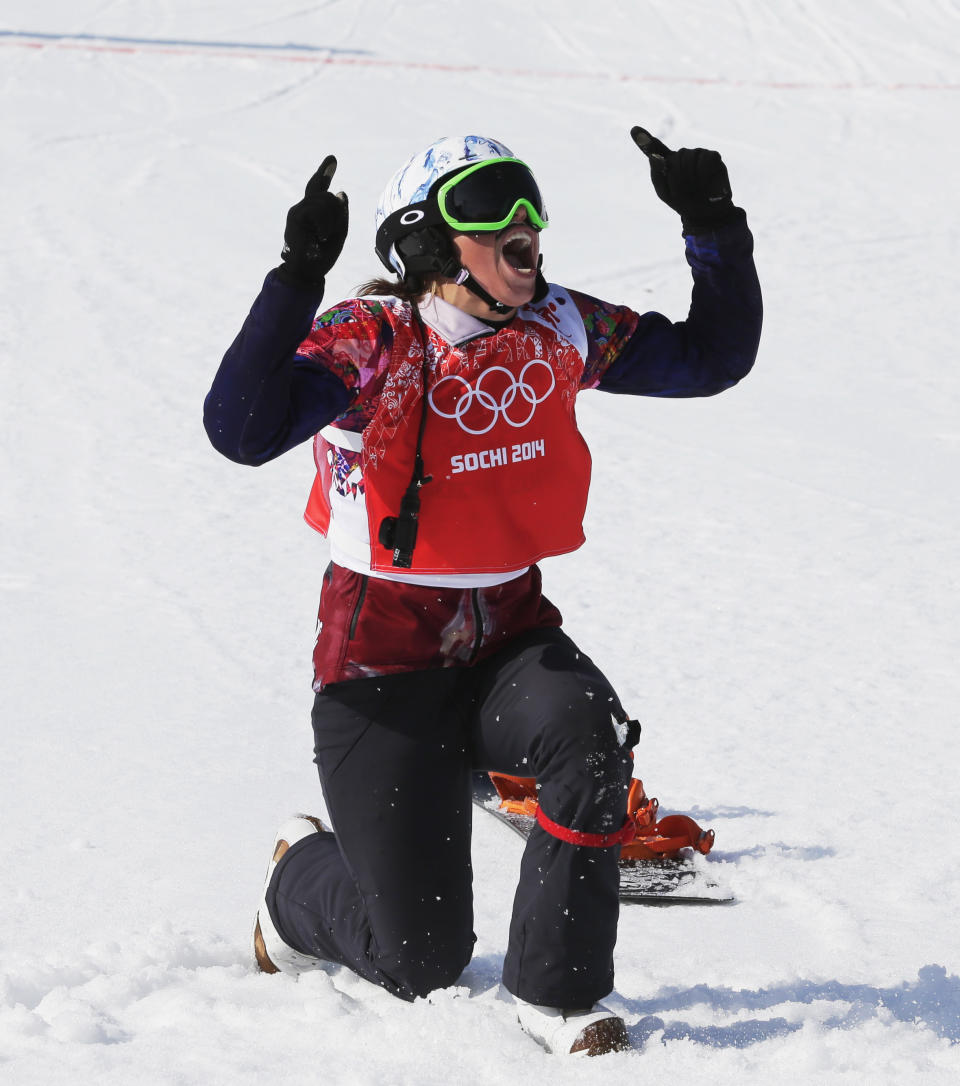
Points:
[(592, 738), (585, 770)]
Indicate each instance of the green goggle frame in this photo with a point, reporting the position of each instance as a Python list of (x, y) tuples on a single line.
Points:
[(472, 204)]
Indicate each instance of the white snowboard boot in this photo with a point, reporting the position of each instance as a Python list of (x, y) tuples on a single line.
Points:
[(272, 954), (590, 1032)]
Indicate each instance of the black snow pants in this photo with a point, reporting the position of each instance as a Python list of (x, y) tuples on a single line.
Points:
[(390, 893)]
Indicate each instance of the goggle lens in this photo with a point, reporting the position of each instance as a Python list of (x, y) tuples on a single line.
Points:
[(487, 196)]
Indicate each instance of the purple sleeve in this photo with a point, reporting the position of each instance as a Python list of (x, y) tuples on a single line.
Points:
[(265, 398), (713, 349)]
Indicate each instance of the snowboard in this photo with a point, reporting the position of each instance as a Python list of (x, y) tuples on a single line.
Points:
[(642, 882)]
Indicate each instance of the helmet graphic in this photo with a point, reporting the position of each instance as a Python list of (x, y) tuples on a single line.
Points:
[(411, 236), (411, 184)]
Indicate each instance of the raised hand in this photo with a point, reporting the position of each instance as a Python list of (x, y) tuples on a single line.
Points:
[(693, 182), (315, 232)]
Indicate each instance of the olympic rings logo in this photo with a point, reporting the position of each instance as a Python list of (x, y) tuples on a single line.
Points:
[(519, 398)]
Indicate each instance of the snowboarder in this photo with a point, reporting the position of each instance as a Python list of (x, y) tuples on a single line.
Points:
[(441, 407)]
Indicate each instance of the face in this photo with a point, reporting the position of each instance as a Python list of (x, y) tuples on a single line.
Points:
[(504, 263)]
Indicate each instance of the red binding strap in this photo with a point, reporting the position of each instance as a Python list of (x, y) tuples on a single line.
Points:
[(590, 840)]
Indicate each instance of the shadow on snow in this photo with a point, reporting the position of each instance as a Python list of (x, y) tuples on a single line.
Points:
[(931, 1002)]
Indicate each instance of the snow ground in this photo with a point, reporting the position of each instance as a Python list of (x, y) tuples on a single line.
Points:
[(778, 606)]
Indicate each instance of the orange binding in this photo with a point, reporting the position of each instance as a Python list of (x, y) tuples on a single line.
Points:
[(653, 839)]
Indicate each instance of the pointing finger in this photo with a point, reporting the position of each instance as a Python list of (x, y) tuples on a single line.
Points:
[(320, 182), (650, 145)]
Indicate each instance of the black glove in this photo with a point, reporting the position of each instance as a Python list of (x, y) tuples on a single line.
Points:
[(316, 230), (693, 182)]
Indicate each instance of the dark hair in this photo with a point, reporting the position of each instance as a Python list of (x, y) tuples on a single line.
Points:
[(407, 290)]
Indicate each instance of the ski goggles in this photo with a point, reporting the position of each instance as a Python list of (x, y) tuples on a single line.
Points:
[(488, 195)]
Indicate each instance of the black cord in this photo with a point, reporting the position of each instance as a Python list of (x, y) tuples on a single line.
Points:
[(400, 532)]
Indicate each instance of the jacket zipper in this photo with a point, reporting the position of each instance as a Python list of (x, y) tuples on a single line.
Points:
[(355, 617)]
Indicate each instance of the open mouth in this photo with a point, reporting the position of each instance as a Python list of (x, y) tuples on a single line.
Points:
[(518, 249)]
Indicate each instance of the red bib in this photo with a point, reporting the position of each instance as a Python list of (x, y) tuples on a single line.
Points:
[(508, 469)]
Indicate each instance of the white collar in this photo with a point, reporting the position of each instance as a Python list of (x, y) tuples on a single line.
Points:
[(453, 324)]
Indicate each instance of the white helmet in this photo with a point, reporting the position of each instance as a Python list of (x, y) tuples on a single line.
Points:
[(418, 209), (411, 184), (411, 239)]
